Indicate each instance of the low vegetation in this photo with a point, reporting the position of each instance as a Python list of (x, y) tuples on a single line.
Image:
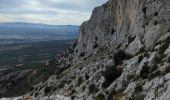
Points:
[(92, 88), (80, 81), (110, 74), (99, 97), (120, 56), (47, 90)]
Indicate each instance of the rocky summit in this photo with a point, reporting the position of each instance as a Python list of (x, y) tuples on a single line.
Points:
[(122, 53)]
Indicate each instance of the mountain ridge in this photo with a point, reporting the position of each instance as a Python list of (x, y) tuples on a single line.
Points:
[(26, 23), (122, 53), (41, 32)]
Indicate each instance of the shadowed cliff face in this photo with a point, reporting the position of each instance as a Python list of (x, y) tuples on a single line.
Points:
[(122, 52)]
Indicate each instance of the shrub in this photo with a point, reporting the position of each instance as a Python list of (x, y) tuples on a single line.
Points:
[(144, 11), (140, 58), (95, 45), (110, 74), (74, 44), (110, 96), (139, 97), (31, 89), (155, 23), (167, 70), (92, 88), (145, 71), (99, 97), (83, 88), (156, 14), (113, 31), (61, 84), (163, 48), (129, 77), (119, 46), (47, 89), (86, 76), (116, 97), (131, 39), (120, 56), (36, 94), (154, 74), (70, 50), (138, 88), (79, 82), (146, 54), (169, 30), (82, 54), (166, 43), (96, 38), (76, 50), (168, 60), (73, 97)]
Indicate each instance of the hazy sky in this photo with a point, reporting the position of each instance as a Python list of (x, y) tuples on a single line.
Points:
[(47, 11)]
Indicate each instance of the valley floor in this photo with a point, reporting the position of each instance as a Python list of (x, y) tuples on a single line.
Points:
[(22, 65)]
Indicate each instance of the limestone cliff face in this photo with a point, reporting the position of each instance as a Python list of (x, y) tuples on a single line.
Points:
[(115, 21), (122, 52)]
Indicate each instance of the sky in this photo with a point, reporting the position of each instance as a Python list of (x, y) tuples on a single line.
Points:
[(58, 12)]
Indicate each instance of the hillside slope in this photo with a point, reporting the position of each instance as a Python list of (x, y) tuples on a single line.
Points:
[(122, 52)]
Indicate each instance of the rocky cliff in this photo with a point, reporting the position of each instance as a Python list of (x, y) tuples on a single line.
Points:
[(122, 53)]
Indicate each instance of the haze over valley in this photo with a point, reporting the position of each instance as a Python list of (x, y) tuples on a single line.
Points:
[(27, 44), (29, 32)]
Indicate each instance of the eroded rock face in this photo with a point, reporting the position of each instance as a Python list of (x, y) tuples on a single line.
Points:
[(120, 20), (129, 36)]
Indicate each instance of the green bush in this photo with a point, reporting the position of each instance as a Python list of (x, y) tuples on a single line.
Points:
[(120, 56), (86, 76), (144, 11), (96, 38), (156, 14), (80, 81), (111, 94), (92, 88), (168, 60), (70, 50), (164, 46), (140, 58), (138, 88), (145, 71), (110, 74), (99, 97), (154, 74), (139, 97), (95, 45), (131, 39), (82, 54), (74, 44), (48, 89), (156, 22), (169, 30)]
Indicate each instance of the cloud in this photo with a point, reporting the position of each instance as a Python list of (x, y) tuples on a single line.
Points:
[(47, 11)]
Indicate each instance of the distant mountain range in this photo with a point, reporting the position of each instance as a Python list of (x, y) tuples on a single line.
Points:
[(41, 32)]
